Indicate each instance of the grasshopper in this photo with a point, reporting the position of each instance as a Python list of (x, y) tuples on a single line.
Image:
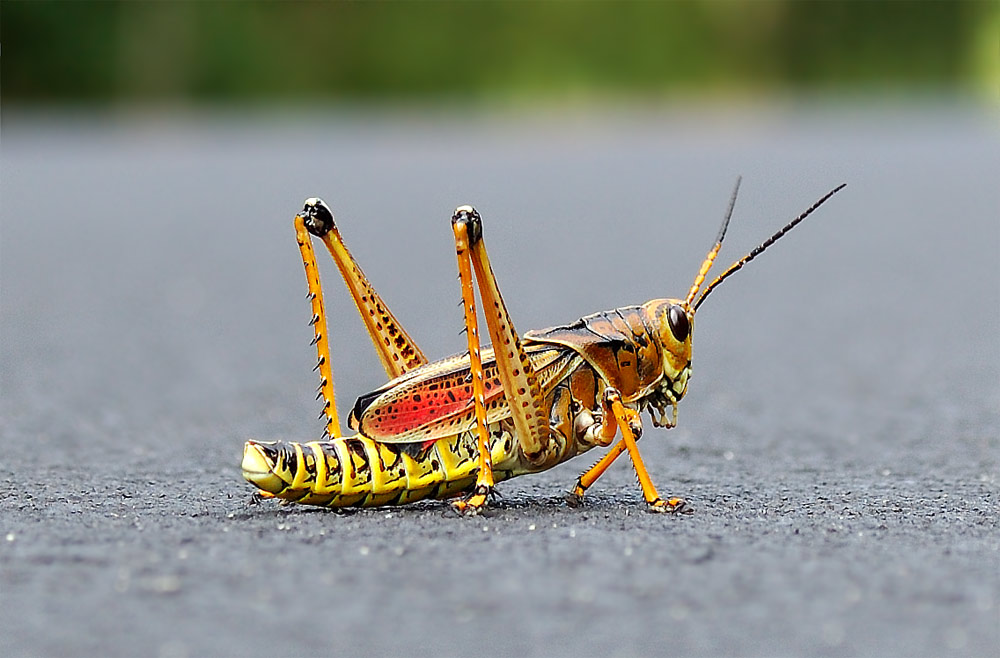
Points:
[(454, 428)]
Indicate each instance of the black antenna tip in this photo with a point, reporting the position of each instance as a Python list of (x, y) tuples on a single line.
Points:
[(729, 210), (764, 245)]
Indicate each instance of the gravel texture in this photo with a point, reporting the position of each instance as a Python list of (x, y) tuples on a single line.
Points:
[(840, 440)]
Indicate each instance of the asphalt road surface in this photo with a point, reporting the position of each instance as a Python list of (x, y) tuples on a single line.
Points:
[(839, 441)]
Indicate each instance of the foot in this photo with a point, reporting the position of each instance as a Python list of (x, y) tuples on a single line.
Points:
[(258, 496), (670, 506), (574, 497), (475, 502)]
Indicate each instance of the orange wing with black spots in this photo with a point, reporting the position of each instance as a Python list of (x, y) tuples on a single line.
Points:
[(435, 401)]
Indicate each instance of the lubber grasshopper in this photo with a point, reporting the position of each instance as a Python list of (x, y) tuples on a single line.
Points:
[(459, 425)]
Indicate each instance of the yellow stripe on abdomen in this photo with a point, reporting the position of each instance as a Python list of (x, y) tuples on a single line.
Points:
[(357, 471)]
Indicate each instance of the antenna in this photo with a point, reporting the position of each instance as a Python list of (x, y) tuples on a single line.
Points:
[(758, 251), (706, 264)]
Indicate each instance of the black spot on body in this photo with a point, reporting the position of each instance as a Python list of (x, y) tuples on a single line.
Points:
[(356, 447)]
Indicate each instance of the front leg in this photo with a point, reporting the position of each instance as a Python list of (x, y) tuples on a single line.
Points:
[(617, 416), (594, 429)]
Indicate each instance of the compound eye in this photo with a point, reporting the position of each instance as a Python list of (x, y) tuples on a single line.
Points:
[(680, 327)]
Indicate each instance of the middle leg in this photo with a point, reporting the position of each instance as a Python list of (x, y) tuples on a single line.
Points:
[(522, 391), (474, 502)]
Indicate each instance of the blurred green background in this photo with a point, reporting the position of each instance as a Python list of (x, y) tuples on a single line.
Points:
[(109, 52)]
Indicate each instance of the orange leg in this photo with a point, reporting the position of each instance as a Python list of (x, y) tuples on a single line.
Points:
[(517, 376), (520, 383), (628, 421), (396, 350), (320, 339), (465, 231), (601, 433), (575, 497)]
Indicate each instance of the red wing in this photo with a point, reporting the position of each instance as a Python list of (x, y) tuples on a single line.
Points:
[(435, 400)]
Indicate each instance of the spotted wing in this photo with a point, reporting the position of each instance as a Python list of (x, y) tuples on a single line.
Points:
[(435, 400)]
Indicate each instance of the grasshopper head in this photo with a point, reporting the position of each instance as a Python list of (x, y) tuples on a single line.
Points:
[(673, 320), (267, 466)]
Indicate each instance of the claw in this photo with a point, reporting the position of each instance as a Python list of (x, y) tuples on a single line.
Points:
[(670, 506), (258, 496), (474, 503), (574, 497)]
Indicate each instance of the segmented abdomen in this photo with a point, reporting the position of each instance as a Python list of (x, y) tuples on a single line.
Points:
[(358, 471)]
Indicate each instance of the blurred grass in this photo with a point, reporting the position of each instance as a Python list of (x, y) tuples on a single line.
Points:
[(97, 52)]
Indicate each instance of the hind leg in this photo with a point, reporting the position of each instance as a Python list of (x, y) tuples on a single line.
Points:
[(396, 350)]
